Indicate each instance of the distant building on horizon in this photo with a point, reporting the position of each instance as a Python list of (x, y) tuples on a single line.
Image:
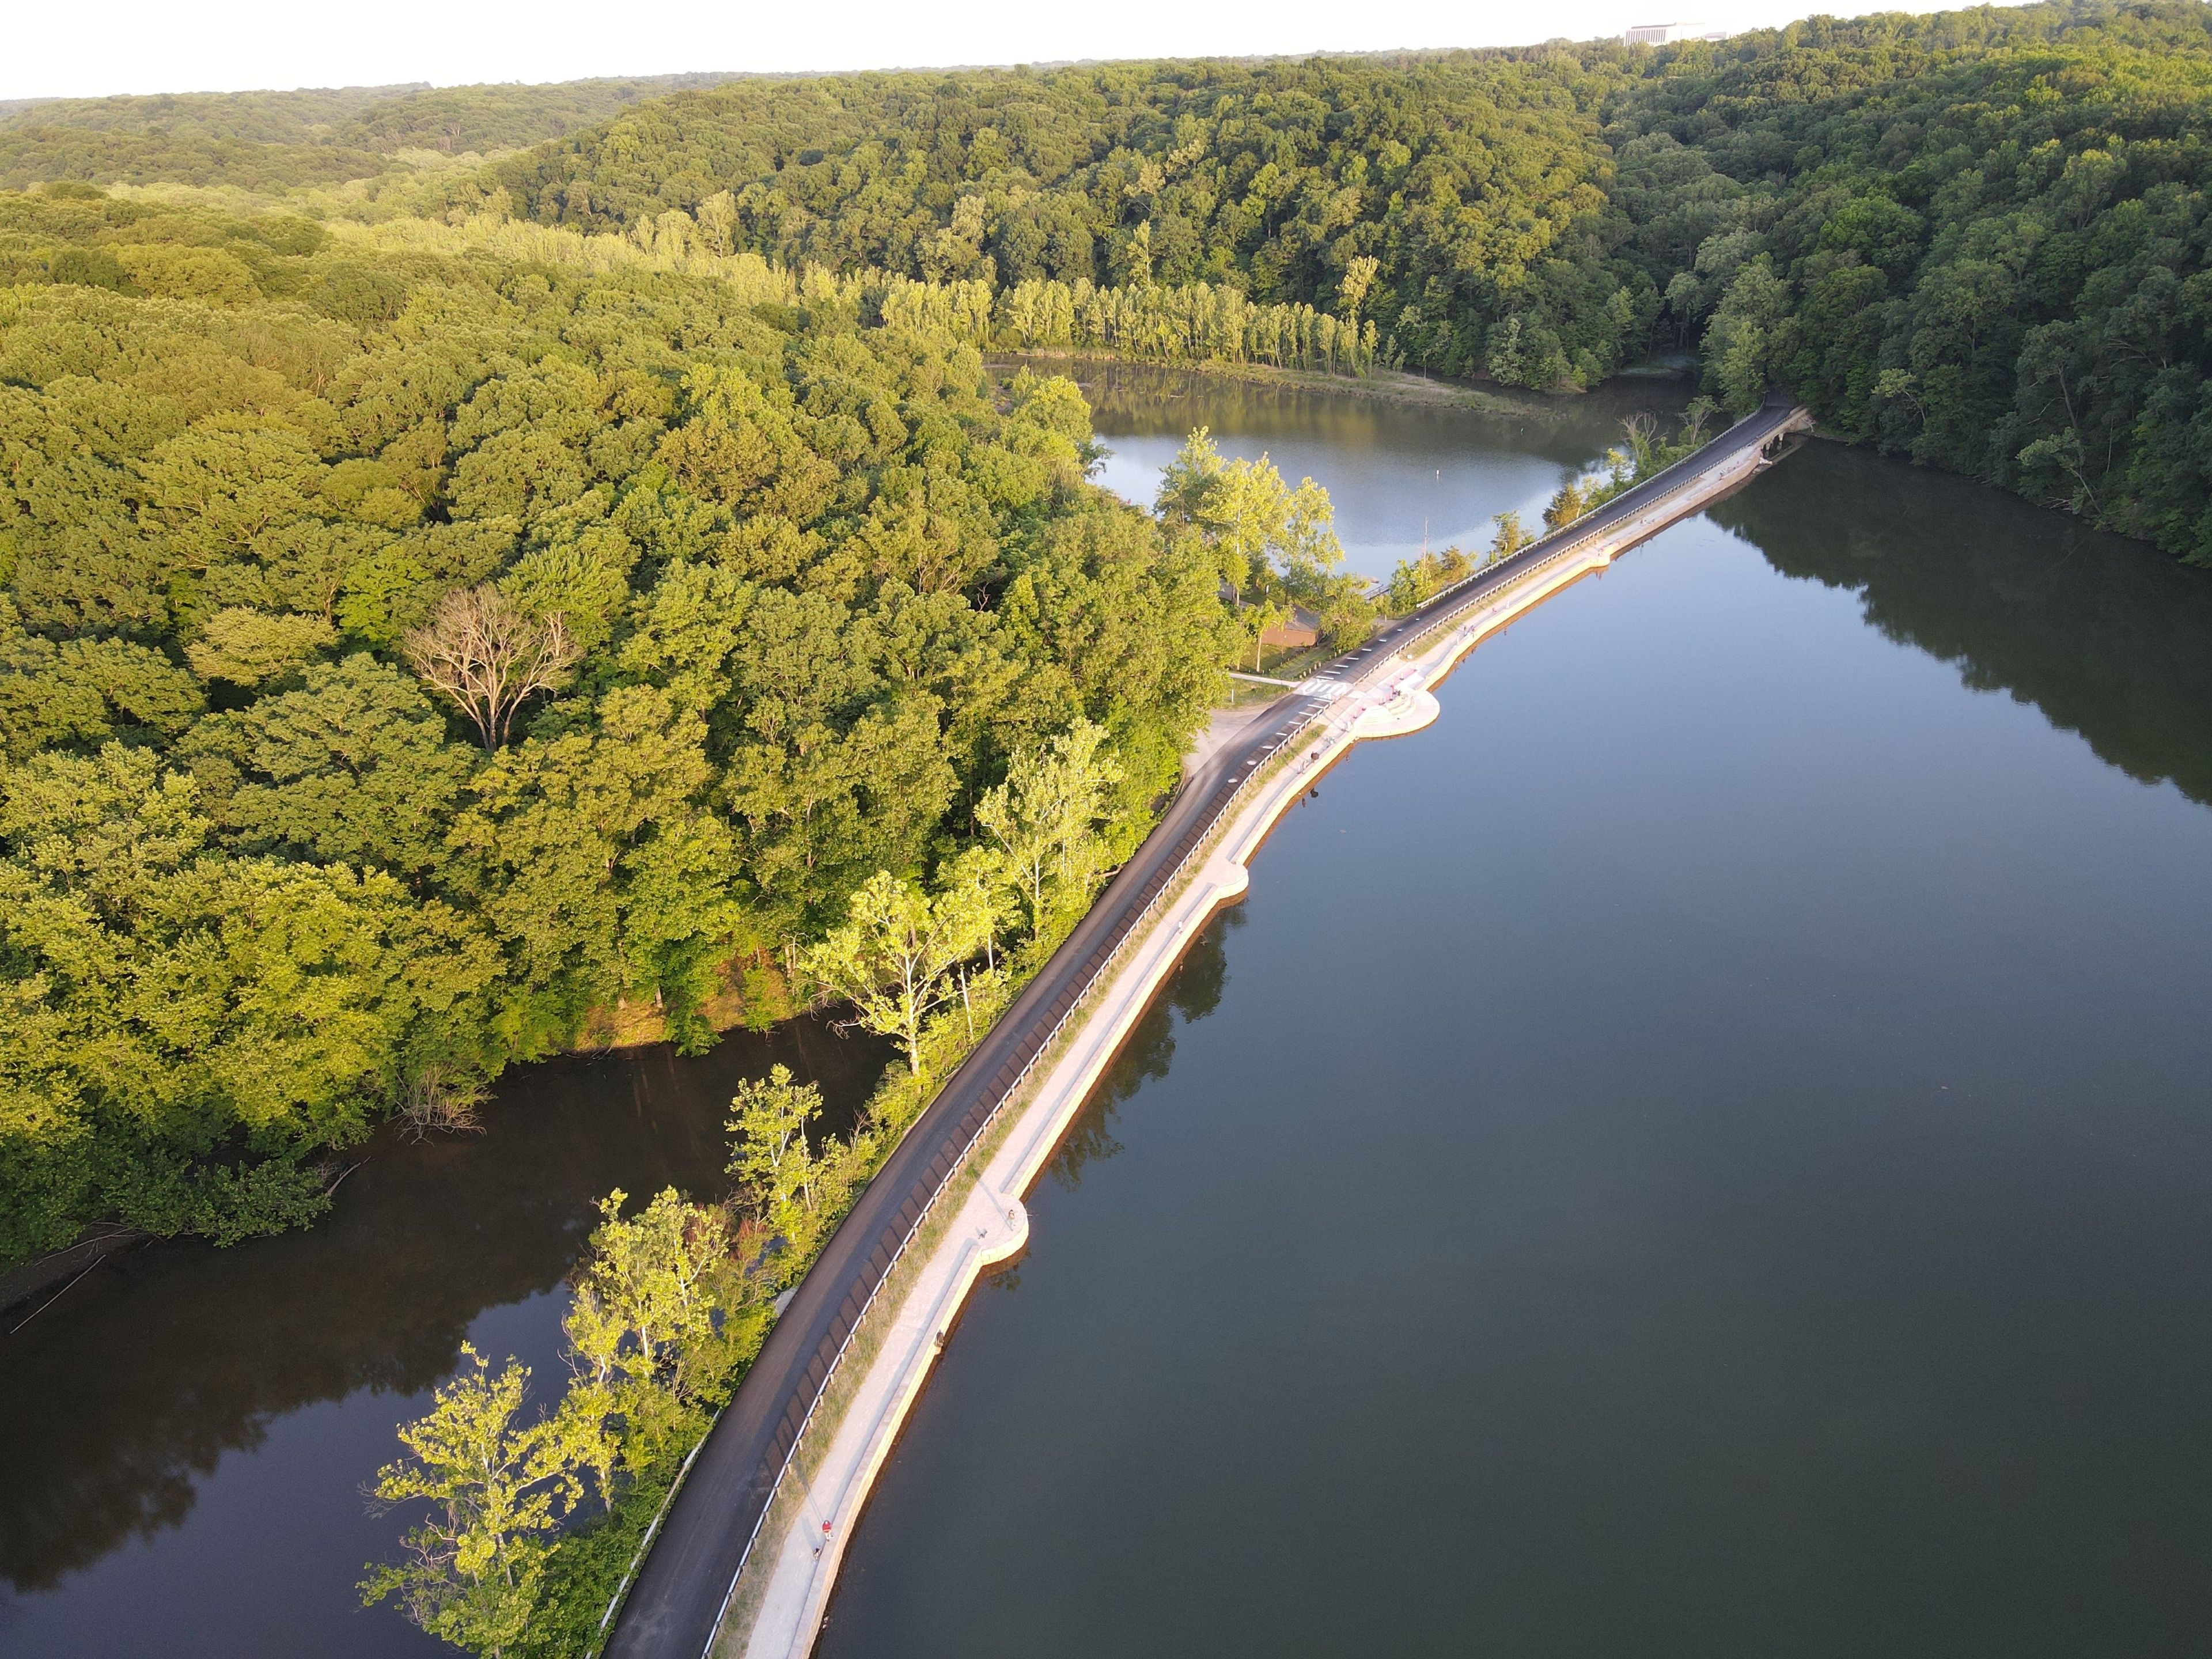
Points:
[(1659, 34)]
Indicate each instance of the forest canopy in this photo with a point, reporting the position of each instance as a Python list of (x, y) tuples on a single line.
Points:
[(1976, 239), (448, 599), (274, 140), (407, 657)]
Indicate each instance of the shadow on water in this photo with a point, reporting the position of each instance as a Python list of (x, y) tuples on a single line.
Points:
[(1132, 399), (2105, 635), (126, 1393), (1193, 992)]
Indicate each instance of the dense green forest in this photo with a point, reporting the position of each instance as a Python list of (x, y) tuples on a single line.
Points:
[(407, 654), (1971, 238), (680, 423), (1976, 238), (1472, 177), (274, 140), (487, 570)]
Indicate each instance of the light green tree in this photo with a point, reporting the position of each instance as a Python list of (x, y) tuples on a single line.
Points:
[(1359, 278), (1273, 545), (1568, 504), (600, 866), (980, 874), (659, 1315), (498, 1491), (1262, 528), (1044, 816), (778, 1173), (352, 765), (83, 691), (246, 646), (1749, 335), (893, 957), (643, 1309)]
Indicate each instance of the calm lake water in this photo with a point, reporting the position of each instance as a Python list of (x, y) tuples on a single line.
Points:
[(1402, 477), (188, 1431), (1703, 1150), (1707, 1150)]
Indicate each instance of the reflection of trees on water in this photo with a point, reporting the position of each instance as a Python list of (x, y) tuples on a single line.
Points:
[(2107, 637), (1135, 392), (1129, 399), (1193, 991), (160, 1362)]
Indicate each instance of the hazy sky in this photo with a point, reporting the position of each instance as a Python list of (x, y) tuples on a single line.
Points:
[(94, 47)]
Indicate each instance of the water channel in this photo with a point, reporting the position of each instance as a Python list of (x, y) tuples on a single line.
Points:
[(189, 1431), (1704, 1149)]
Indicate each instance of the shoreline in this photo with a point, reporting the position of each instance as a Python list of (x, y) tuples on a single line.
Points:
[(777, 1608), (1384, 385), (775, 1605)]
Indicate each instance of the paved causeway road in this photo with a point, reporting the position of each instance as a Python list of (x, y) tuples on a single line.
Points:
[(673, 1609)]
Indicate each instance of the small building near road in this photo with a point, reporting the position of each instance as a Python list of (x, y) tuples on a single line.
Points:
[(1302, 630)]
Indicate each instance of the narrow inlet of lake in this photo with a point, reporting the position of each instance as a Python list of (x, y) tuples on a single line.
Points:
[(189, 1431)]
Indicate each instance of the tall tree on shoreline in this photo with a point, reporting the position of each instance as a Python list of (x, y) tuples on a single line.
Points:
[(498, 1491), (1044, 816)]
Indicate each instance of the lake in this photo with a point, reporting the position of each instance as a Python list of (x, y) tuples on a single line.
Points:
[(1401, 476), (1704, 1150)]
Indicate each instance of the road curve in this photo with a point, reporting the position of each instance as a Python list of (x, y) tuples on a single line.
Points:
[(673, 1609)]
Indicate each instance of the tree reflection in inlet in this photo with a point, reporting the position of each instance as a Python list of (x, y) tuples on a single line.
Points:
[(129, 1390)]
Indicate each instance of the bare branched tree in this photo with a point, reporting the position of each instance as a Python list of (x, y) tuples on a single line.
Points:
[(491, 656), (1642, 431)]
